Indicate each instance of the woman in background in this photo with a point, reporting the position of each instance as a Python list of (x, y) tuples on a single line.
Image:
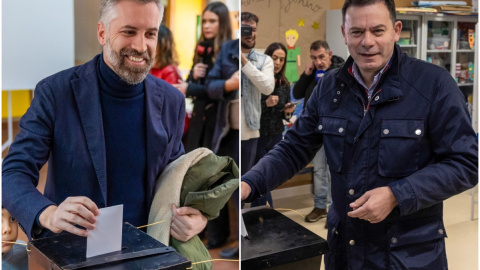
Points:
[(166, 60), (275, 108), (216, 29)]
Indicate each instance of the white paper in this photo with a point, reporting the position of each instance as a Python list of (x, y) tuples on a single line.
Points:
[(244, 229), (107, 235)]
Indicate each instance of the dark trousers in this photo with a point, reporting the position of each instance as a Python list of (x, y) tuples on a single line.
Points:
[(265, 144), (249, 151)]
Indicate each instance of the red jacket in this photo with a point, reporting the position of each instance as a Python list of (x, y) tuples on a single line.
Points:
[(169, 74)]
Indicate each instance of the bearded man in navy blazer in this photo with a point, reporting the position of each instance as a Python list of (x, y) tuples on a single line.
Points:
[(107, 129)]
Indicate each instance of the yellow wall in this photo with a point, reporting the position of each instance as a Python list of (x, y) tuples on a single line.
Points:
[(20, 102), (183, 26)]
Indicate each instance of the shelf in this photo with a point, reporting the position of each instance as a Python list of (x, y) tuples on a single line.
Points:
[(465, 51), (465, 84), (409, 46), (439, 51)]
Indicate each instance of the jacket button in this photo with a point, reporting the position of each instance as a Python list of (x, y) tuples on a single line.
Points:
[(352, 242), (418, 132), (340, 130), (335, 100), (342, 85), (338, 92), (394, 240), (320, 127), (386, 131), (440, 231), (377, 98), (351, 192)]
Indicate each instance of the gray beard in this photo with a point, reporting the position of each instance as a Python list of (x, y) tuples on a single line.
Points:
[(131, 75)]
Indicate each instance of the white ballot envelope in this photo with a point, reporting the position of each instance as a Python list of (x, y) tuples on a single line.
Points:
[(107, 235), (244, 229)]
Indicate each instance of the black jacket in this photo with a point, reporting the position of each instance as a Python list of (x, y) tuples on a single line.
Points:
[(304, 87)]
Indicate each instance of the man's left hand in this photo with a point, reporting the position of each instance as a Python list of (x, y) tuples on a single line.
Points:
[(243, 59), (186, 223), (374, 206)]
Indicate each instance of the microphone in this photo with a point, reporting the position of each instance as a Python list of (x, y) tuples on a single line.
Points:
[(205, 51), (319, 74)]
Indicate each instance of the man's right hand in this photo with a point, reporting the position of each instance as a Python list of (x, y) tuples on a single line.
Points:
[(245, 190), (73, 211), (309, 68)]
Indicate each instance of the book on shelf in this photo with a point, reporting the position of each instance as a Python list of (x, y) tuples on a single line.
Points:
[(453, 8), (416, 10), (437, 3)]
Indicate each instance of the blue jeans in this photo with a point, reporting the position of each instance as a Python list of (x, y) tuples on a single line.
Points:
[(321, 180)]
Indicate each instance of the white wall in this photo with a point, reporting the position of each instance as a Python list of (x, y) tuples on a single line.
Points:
[(86, 19), (333, 34), (232, 4), (37, 41)]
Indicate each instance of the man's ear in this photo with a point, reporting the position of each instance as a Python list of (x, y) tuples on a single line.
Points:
[(343, 33), (101, 33)]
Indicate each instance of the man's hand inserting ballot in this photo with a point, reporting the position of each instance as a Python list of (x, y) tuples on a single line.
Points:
[(73, 211)]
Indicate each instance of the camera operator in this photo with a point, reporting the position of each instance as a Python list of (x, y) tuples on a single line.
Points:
[(257, 79)]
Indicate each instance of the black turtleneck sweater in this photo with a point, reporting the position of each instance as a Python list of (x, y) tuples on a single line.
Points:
[(123, 112)]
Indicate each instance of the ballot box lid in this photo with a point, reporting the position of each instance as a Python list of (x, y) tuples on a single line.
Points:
[(274, 239), (139, 251)]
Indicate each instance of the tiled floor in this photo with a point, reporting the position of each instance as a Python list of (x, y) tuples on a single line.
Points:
[(462, 241)]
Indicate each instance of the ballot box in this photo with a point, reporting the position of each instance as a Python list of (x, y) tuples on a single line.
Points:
[(276, 242), (139, 251)]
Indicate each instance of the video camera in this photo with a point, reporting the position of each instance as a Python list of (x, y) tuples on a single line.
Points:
[(246, 30)]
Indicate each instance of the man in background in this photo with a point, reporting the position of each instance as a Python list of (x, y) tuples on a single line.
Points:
[(323, 60), (257, 79)]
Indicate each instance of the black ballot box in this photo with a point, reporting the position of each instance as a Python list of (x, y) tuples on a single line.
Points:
[(276, 242), (139, 251)]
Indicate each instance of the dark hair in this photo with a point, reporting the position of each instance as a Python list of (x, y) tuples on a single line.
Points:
[(249, 17), (224, 28), (166, 54), (319, 44), (361, 3), (280, 76)]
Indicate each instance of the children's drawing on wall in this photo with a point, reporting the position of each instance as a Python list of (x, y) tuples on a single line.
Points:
[(293, 56)]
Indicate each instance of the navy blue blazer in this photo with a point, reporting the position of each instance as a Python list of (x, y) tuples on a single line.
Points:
[(64, 127)]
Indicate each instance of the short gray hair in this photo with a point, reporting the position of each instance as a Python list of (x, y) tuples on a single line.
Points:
[(108, 12)]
